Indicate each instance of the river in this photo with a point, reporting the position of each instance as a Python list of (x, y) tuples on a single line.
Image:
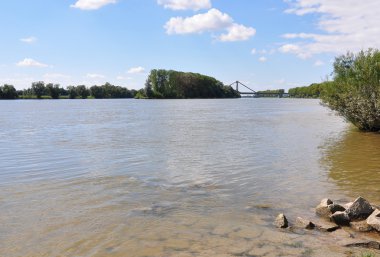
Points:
[(175, 177)]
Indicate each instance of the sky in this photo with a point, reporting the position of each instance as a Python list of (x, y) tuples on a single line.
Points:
[(266, 44)]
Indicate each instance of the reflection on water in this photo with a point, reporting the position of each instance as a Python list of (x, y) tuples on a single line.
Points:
[(354, 164), (165, 178)]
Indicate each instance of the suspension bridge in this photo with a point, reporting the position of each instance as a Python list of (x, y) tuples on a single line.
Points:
[(249, 92)]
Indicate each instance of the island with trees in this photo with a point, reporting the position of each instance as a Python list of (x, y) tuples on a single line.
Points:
[(176, 84)]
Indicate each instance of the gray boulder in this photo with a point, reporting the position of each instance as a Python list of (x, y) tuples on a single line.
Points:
[(360, 209), (323, 209), (348, 205), (334, 207), (281, 221), (303, 223), (340, 218), (374, 220)]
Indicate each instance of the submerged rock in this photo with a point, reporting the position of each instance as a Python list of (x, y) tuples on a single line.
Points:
[(360, 209), (303, 223), (365, 244), (281, 221), (323, 209), (325, 226), (340, 218), (374, 220), (360, 226)]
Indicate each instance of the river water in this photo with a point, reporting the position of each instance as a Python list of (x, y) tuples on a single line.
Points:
[(175, 177)]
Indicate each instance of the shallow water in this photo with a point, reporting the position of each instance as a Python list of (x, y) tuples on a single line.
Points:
[(175, 178)]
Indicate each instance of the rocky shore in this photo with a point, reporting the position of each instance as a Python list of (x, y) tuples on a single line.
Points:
[(358, 216)]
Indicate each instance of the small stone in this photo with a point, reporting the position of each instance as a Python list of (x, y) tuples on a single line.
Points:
[(336, 207), (323, 208), (360, 209), (281, 221), (360, 226), (340, 218), (374, 220), (302, 223)]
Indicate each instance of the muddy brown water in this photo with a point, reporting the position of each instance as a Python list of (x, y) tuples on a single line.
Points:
[(176, 178)]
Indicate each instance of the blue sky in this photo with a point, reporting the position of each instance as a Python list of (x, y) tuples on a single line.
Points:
[(263, 43)]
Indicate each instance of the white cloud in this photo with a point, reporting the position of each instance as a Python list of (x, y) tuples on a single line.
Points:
[(136, 70), (210, 21), (237, 32), (263, 59), (185, 4), (29, 40), (92, 4), (253, 51), (213, 20), (28, 62), (348, 25), (319, 63), (95, 76)]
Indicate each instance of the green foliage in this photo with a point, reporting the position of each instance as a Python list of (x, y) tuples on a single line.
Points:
[(175, 84), (271, 93), (356, 89), (39, 89), (53, 90), (367, 254), (110, 91), (82, 91), (312, 91), (8, 92), (72, 90)]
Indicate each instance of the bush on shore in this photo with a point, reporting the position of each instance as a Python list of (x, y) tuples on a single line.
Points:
[(355, 91)]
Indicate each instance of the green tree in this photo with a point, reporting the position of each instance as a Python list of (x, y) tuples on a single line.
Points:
[(53, 90), (38, 89), (8, 92), (97, 92), (72, 91), (82, 91), (355, 92)]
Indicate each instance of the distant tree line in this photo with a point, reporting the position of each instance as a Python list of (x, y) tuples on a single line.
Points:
[(176, 84), (271, 93), (313, 91), (40, 90)]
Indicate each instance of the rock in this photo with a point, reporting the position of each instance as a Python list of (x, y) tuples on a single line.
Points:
[(336, 207), (360, 226), (340, 218), (360, 209), (281, 221), (365, 244), (374, 220), (302, 223), (323, 208), (348, 205), (325, 226)]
